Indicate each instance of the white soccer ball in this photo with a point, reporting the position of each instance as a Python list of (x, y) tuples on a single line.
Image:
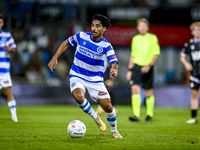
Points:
[(76, 129)]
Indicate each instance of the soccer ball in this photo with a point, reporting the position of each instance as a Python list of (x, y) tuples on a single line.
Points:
[(76, 129)]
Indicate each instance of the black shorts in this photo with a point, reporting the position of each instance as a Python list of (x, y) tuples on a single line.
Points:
[(145, 80), (194, 82)]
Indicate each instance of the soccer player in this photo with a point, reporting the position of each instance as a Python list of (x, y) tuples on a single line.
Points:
[(7, 46), (192, 49), (145, 50), (91, 56)]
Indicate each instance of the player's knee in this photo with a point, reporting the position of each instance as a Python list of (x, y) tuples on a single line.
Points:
[(135, 89), (195, 94), (108, 108), (79, 97), (148, 93)]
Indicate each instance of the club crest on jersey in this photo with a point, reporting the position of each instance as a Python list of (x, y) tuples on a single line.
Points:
[(102, 93), (192, 47), (73, 84), (100, 49)]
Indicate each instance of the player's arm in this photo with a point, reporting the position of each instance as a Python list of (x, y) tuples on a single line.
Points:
[(156, 52), (188, 66), (130, 64), (155, 57), (10, 49), (114, 70), (130, 67), (146, 69), (184, 53), (53, 62)]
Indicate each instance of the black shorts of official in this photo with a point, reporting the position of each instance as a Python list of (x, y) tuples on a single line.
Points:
[(145, 80), (194, 82)]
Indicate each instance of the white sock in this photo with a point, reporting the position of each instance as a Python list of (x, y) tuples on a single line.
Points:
[(12, 106), (87, 108), (112, 120)]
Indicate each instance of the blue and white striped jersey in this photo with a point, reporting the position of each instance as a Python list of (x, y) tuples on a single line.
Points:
[(91, 57), (6, 39)]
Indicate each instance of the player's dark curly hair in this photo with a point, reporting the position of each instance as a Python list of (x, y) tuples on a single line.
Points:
[(1, 16), (104, 20)]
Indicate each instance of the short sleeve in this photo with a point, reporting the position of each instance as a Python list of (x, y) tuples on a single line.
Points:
[(111, 55), (133, 49), (11, 42), (156, 46), (184, 51), (73, 39)]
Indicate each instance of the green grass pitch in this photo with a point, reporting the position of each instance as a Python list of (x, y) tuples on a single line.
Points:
[(45, 127)]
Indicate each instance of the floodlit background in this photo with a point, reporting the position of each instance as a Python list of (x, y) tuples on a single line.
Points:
[(40, 26)]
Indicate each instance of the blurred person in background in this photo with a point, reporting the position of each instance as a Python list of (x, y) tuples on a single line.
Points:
[(145, 50), (192, 49), (7, 46), (92, 53)]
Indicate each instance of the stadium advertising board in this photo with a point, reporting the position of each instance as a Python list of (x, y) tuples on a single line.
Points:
[(121, 35)]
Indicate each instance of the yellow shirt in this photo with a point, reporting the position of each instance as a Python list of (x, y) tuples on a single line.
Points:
[(143, 48)]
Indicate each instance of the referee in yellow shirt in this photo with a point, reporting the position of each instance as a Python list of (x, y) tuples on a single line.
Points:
[(145, 50)]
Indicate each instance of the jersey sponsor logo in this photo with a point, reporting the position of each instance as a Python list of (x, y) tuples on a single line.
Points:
[(88, 53), (195, 55), (12, 44), (114, 56), (6, 82), (102, 93)]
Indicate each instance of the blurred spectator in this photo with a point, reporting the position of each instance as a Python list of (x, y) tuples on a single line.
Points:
[(196, 3), (153, 3), (62, 69), (26, 49), (37, 30), (43, 41), (141, 3), (77, 27), (34, 72)]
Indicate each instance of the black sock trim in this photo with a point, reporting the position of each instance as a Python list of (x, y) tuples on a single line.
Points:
[(194, 113)]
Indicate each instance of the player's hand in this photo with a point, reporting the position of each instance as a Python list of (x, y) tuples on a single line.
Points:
[(109, 82), (128, 75), (113, 72), (52, 64), (145, 69), (7, 48), (188, 66)]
